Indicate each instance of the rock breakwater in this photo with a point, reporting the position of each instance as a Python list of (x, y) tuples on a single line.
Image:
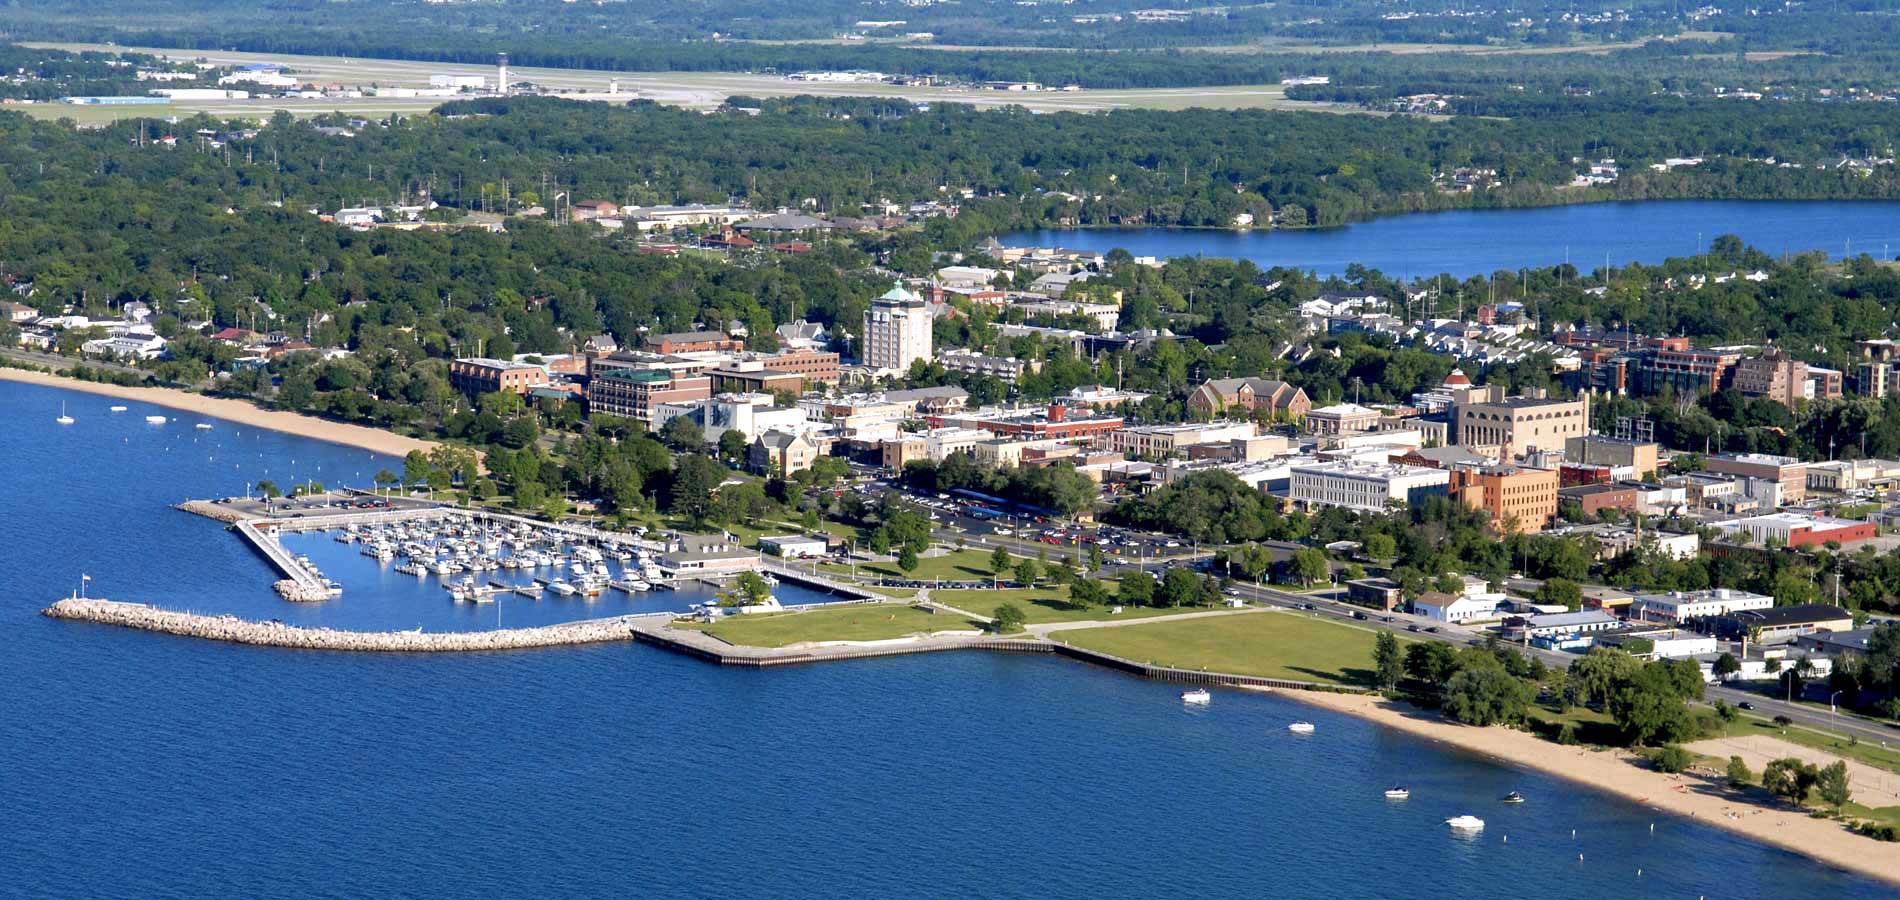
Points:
[(276, 634)]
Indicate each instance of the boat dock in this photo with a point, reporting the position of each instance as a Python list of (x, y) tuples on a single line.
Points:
[(301, 583)]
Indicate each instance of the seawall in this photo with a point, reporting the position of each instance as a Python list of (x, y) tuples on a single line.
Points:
[(234, 630)]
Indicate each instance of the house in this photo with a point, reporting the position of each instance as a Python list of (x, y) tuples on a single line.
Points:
[(593, 209), (1219, 395), (1562, 624), (1455, 608), (782, 453)]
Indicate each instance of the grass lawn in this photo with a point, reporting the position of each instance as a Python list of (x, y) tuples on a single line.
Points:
[(957, 565), (1592, 727), (1268, 644), (1049, 603), (856, 622)]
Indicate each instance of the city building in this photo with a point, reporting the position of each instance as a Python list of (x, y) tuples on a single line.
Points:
[(969, 362), (1678, 607), (1594, 498), (694, 342), (1516, 498), (1782, 624), (1519, 425), (1223, 395), (1382, 594), (897, 331), (1796, 529), (1791, 473), (749, 414), (1164, 440), (1774, 375), (782, 453), (794, 546), (475, 375), (1557, 625), (1341, 418), (1640, 457), (1458, 608), (1056, 422), (637, 393), (1372, 487)]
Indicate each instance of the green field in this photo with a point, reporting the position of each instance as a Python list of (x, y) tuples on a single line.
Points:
[(1049, 603), (957, 565), (857, 622), (1267, 644)]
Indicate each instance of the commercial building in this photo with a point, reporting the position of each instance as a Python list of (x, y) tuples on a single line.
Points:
[(1678, 607), (782, 453), (1562, 624), (1794, 529), (1165, 440), (897, 331), (795, 546), (1379, 593), (1055, 422), (1372, 487), (1785, 623), (1594, 498), (1222, 396), (1774, 375), (1457, 608), (1640, 457), (475, 375), (637, 393), (1790, 472), (1341, 418), (694, 342), (1519, 425), (1516, 498), (749, 414)]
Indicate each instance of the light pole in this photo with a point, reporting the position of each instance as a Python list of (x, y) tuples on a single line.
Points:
[(1834, 712)]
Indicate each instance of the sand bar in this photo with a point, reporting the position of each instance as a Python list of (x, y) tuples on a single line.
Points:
[(1704, 798), (242, 412)]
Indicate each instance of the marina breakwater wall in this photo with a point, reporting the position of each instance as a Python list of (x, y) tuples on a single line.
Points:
[(276, 634)]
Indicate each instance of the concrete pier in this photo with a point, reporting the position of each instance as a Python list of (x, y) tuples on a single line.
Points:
[(276, 634)]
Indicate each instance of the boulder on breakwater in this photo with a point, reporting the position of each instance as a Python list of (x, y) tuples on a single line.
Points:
[(277, 634)]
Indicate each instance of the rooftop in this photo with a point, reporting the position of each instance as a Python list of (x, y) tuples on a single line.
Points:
[(1806, 613)]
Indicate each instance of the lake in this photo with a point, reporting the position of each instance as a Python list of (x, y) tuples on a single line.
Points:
[(1473, 242), (147, 767)]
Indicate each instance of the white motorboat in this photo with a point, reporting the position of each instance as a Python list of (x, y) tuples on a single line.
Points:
[(1197, 696), (528, 590), (116, 408), (562, 588), (640, 585), (1398, 793), (1301, 728), (1465, 823), (154, 420), (63, 419), (203, 426)]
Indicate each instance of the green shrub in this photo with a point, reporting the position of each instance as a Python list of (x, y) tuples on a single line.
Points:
[(1673, 759)]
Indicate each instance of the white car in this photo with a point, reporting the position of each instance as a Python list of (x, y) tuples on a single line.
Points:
[(1003, 531)]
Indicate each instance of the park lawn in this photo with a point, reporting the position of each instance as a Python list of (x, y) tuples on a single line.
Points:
[(958, 565), (1267, 644), (852, 622), (1592, 727), (901, 593), (1885, 815), (1049, 603)]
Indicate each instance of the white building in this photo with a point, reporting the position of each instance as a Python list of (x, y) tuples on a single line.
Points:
[(458, 82), (1161, 440), (1677, 607), (749, 414), (1566, 623), (1456, 608), (1372, 487), (897, 331), (793, 546)]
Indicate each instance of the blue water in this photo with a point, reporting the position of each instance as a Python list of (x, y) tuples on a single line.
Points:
[(146, 766), (1475, 242)]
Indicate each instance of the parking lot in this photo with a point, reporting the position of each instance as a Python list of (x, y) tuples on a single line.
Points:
[(317, 505)]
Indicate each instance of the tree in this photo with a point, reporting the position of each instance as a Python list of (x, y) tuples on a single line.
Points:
[(1725, 712), (732, 444), (1486, 696), (999, 562), (1831, 784), (1790, 779), (1027, 572), (1726, 666), (906, 557), (1739, 775), (1179, 587), (749, 589), (269, 489), (1598, 673), (1381, 546), (1086, 593), (1649, 706), (695, 479), (1008, 619), (1309, 566), (1136, 589), (683, 435), (1387, 662), (415, 467), (385, 478), (1561, 592), (1673, 759), (1430, 662), (1449, 583)]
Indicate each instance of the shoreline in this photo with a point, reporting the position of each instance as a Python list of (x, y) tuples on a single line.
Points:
[(1703, 799), (242, 412)]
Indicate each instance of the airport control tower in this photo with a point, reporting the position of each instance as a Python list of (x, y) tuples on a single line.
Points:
[(501, 74)]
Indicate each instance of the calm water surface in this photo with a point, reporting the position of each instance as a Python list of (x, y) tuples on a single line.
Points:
[(1473, 242), (145, 766)]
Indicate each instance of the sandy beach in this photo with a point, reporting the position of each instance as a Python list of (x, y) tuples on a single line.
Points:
[(1702, 797), (239, 411)]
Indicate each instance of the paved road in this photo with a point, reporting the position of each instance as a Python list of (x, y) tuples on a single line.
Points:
[(55, 361)]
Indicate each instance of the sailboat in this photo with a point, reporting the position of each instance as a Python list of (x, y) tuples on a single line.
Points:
[(63, 419)]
